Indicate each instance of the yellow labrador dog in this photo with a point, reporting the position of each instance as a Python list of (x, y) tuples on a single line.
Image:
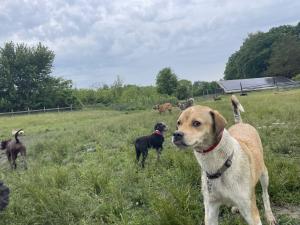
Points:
[(231, 161)]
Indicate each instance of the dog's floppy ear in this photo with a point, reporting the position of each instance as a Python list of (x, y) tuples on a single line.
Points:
[(219, 122)]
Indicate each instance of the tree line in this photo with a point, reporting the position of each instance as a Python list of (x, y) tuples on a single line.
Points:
[(272, 53), (26, 81), (167, 82), (121, 96)]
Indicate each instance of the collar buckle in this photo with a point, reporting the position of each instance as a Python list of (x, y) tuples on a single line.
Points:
[(220, 171)]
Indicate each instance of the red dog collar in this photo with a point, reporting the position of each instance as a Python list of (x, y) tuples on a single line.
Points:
[(157, 132), (214, 145)]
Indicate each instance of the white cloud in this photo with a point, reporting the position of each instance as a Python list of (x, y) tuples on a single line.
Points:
[(96, 40)]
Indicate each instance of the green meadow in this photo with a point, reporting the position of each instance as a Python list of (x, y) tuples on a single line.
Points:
[(82, 170)]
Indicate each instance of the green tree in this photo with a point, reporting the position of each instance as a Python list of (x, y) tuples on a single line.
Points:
[(203, 87), (117, 87), (7, 74), (252, 58), (25, 79), (259, 55), (184, 89), (166, 81), (285, 57)]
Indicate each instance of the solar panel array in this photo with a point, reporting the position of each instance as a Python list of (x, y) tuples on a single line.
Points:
[(231, 86)]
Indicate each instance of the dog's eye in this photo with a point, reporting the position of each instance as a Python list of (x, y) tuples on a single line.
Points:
[(178, 123), (196, 124)]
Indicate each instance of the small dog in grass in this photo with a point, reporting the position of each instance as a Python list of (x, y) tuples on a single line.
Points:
[(13, 148), (186, 104), (163, 107), (155, 140)]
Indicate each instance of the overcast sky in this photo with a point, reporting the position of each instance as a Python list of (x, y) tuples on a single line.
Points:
[(96, 40)]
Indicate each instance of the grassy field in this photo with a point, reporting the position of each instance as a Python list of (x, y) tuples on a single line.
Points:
[(82, 169)]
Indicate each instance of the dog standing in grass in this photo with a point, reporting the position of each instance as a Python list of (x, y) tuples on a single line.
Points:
[(163, 107), (155, 140), (231, 160), (186, 104), (13, 148)]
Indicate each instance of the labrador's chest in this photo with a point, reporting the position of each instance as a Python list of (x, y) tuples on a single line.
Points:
[(228, 188)]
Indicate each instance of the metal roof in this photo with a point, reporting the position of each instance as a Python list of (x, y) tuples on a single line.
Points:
[(231, 86)]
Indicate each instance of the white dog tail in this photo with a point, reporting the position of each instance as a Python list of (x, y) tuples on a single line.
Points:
[(16, 135), (237, 108)]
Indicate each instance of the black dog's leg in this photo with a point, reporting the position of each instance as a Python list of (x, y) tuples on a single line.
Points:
[(158, 151), (14, 164), (9, 158), (138, 154), (145, 153), (12, 160)]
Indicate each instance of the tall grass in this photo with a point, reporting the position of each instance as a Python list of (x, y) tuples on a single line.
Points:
[(82, 169)]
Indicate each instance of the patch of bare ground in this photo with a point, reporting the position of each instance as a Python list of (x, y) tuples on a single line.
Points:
[(292, 211)]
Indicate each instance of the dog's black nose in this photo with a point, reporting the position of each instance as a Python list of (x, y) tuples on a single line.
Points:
[(178, 135)]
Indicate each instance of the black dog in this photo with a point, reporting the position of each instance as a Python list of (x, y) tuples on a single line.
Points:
[(155, 140), (13, 148), (4, 196)]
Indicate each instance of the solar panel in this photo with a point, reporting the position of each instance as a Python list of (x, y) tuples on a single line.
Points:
[(231, 86)]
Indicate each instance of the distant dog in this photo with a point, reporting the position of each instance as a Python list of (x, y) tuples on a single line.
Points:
[(186, 104), (4, 196), (231, 160), (13, 148), (155, 140), (163, 107)]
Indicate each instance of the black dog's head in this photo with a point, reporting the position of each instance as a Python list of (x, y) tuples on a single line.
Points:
[(162, 127), (4, 144), (4, 196)]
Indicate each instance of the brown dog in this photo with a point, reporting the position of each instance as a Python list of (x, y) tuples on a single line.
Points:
[(13, 148), (231, 160), (163, 108)]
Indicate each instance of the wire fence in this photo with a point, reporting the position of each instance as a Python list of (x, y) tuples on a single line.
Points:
[(206, 94), (44, 110), (246, 87)]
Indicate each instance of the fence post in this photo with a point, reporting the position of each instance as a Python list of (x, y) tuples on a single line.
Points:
[(275, 83), (44, 109), (12, 112), (241, 88), (58, 108), (28, 110), (71, 107)]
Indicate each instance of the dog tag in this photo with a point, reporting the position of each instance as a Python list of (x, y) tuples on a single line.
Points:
[(209, 185), (228, 163)]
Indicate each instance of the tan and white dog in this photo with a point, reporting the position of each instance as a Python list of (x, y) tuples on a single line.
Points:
[(163, 107), (231, 161)]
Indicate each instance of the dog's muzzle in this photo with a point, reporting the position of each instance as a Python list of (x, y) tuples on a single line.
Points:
[(178, 139)]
